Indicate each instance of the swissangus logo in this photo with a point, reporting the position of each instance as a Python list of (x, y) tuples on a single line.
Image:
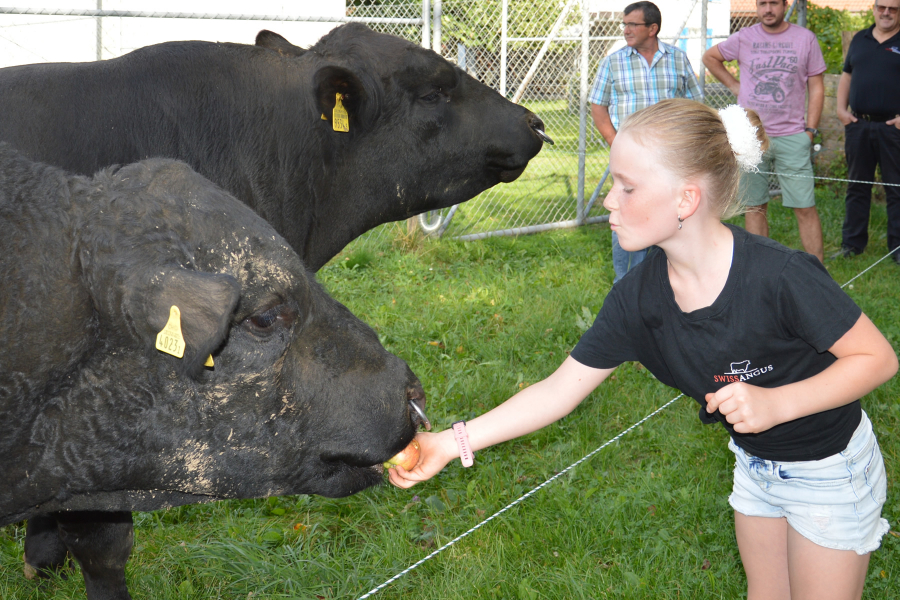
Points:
[(740, 371), (893, 49)]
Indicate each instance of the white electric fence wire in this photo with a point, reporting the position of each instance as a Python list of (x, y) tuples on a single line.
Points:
[(870, 266), (560, 474), (827, 178), (517, 501)]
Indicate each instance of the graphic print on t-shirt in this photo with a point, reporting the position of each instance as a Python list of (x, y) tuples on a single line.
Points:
[(740, 371), (773, 71)]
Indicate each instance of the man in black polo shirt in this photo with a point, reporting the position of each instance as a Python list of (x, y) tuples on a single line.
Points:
[(870, 84)]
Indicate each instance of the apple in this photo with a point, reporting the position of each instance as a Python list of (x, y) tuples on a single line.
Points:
[(407, 458)]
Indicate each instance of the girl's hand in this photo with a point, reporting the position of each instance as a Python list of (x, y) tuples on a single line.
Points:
[(434, 454), (749, 408)]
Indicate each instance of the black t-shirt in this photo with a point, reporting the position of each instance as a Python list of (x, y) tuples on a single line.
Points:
[(771, 325), (875, 67)]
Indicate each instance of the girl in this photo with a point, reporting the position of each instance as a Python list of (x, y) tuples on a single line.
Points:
[(758, 334)]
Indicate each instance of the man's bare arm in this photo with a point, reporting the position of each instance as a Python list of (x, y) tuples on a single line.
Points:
[(843, 100), (600, 115), (715, 62), (816, 87)]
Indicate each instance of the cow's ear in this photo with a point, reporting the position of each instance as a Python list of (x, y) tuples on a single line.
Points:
[(332, 80), (273, 41), (205, 304)]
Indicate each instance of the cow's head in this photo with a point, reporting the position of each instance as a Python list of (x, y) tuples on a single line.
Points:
[(425, 106), (298, 395), (453, 136)]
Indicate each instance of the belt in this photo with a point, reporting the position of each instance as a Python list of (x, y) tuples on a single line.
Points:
[(875, 117)]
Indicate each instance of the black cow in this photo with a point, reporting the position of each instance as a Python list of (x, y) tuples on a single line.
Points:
[(96, 421), (258, 121)]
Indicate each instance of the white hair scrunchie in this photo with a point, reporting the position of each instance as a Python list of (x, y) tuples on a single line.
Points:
[(742, 137)]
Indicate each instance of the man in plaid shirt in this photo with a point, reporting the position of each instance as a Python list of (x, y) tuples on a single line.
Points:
[(635, 77)]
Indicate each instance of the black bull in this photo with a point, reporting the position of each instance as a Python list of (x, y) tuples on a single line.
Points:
[(301, 396), (257, 120)]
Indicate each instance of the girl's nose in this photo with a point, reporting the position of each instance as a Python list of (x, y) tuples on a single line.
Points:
[(609, 202)]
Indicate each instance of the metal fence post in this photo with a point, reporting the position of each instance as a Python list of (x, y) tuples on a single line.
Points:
[(801, 13), (687, 18), (554, 31), (99, 32), (426, 23), (582, 111), (436, 30), (703, 24), (504, 34)]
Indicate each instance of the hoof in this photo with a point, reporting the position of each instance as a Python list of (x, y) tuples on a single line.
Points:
[(30, 572)]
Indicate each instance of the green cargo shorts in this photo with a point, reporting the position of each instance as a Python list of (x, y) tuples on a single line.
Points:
[(788, 156)]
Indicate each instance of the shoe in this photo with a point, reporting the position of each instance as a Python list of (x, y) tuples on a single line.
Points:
[(845, 252), (896, 257)]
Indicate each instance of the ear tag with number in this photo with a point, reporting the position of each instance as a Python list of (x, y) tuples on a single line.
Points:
[(340, 120), (170, 340)]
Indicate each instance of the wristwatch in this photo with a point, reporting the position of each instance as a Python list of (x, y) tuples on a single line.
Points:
[(812, 130)]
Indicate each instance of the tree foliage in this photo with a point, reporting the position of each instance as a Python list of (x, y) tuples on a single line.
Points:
[(828, 23), (478, 22)]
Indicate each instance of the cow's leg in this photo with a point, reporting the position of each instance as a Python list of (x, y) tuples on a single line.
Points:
[(44, 551), (101, 543)]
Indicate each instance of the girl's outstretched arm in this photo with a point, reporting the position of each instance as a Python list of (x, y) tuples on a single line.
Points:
[(531, 409), (865, 360)]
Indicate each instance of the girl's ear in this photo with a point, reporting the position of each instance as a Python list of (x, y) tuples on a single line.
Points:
[(689, 200)]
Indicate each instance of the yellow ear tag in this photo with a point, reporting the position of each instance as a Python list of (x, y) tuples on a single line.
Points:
[(170, 340), (340, 120), (209, 362)]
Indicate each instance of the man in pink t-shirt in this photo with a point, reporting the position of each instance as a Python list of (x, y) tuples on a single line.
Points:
[(779, 63)]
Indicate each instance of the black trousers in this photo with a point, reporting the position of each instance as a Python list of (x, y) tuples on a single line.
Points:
[(867, 144)]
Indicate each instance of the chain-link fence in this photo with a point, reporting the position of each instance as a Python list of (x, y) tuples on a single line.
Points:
[(536, 53), (84, 30), (543, 54)]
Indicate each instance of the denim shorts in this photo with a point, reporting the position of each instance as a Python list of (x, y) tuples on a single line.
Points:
[(834, 502)]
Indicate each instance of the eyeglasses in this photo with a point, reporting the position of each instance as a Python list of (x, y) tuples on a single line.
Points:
[(892, 10), (624, 26)]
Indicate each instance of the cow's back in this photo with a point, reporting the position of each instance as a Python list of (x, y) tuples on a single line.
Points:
[(167, 100)]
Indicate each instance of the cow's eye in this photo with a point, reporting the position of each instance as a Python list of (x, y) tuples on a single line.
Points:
[(434, 96), (265, 322)]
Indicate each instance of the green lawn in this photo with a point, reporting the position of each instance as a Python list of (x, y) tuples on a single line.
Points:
[(647, 517)]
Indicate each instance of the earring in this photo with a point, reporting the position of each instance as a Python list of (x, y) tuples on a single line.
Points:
[(680, 221)]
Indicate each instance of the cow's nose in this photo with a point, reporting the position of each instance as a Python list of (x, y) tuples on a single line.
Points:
[(537, 126)]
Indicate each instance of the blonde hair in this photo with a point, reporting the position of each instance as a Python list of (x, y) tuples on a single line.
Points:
[(692, 142)]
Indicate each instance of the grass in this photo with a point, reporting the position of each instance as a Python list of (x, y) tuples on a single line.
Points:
[(647, 517)]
